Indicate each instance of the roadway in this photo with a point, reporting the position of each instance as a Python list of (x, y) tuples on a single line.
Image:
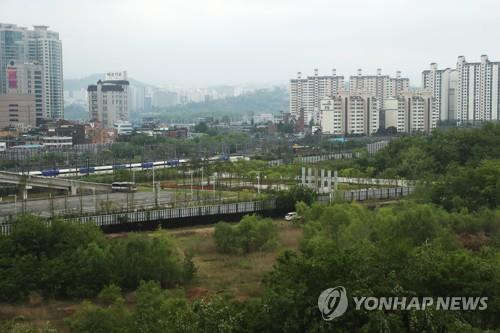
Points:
[(88, 203)]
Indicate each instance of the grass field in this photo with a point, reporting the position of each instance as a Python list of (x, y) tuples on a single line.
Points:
[(239, 275)]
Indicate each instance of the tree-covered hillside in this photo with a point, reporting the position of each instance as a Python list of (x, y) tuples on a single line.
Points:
[(260, 101)]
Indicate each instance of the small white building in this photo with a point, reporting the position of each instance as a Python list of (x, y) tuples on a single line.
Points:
[(57, 141), (123, 127), (263, 118)]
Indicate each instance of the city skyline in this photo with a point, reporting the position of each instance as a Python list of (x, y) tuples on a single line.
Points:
[(237, 42)]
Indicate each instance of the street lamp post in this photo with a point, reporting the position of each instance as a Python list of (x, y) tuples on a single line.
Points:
[(258, 182), (15, 201)]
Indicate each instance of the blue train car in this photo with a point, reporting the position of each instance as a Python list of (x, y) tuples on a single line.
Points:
[(50, 172), (87, 170), (173, 162), (147, 165)]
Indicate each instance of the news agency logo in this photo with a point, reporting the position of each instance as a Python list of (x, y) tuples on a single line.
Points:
[(333, 303)]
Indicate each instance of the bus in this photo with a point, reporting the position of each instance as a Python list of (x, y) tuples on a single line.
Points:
[(123, 187)]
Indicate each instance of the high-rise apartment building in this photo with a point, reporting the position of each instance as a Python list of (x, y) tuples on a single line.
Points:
[(306, 94), (382, 86), (346, 113), (108, 100), (478, 90), (443, 85), (12, 47), (45, 47), (39, 46), (411, 111)]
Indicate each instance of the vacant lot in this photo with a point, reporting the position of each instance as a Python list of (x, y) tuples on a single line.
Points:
[(240, 275)]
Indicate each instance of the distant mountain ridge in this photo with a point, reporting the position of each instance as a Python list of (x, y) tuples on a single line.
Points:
[(84, 82)]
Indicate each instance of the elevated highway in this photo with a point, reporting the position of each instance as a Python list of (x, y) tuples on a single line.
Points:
[(73, 186)]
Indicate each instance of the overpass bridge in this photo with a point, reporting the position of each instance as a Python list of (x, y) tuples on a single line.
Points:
[(70, 185)]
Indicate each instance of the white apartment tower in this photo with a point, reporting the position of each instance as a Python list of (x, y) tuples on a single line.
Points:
[(417, 112), (45, 47), (478, 90), (108, 100), (412, 111), (443, 85), (346, 113), (382, 86), (307, 93)]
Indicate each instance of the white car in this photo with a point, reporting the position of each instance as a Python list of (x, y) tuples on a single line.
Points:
[(291, 216)]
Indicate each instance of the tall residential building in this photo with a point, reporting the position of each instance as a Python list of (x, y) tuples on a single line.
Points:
[(137, 94), (25, 78), (45, 47), (12, 47), (478, 90), (382, 86), (412, 111), (306, 94), (443, 85), (346, 113), (163, 98), (108, 100), (41, 46)]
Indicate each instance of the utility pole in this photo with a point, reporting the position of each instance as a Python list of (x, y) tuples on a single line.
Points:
[(155, 189), (191, 171), (81, 201), (15, 201), (258, 182)]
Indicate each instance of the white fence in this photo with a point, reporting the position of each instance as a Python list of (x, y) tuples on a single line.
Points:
[(316, 158), (324, 180), (369, 194)]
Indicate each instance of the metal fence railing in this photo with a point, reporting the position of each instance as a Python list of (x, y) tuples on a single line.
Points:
[(167, 214)]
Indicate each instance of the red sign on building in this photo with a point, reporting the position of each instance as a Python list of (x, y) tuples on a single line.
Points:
[(12, 78)]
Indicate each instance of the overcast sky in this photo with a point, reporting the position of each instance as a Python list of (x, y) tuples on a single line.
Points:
[(202, 42)]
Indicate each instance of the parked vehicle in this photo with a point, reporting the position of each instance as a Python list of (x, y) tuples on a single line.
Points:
[(291, 216)]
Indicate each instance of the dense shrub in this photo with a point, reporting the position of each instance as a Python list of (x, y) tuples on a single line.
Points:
[(285, 200), (252, 233), (66, 259)]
